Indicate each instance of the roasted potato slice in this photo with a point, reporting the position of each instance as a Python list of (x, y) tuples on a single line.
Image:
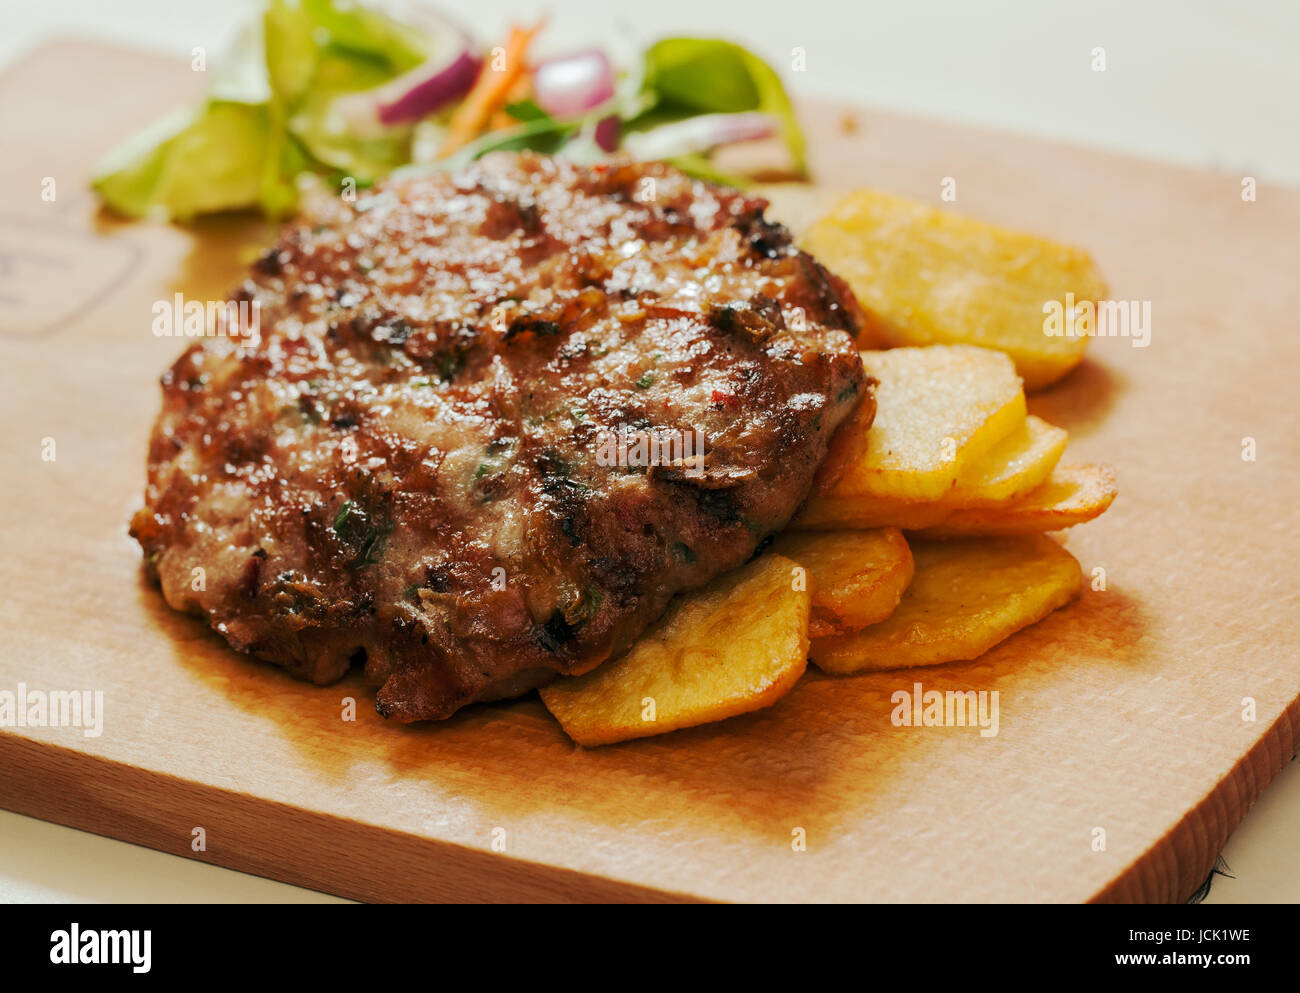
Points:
[(857, 576), (837, 513), (1012, 469), (928, 276), (1072, 495), (1016, 466), (739, 644), (937, 411), (965, 597)]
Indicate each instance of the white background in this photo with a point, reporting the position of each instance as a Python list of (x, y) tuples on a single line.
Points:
[(1204, 84)]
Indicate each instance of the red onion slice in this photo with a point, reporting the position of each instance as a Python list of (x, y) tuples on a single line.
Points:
[(609, 130), (571, 85), (426, 88), (699, 134), (449, 72)]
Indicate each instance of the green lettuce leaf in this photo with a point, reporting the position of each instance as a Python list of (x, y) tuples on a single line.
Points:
[(270, 114), (211, 162), (320, 124), (367, 31), (689, 76), (291, 49), (128, 177), (542, 134), (702, 167)]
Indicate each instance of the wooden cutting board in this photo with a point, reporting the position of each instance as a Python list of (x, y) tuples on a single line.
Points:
[(1123, 712)]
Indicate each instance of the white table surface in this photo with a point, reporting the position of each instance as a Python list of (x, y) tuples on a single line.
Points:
[(1200, 83)]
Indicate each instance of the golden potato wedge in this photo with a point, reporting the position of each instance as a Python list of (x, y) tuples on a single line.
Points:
[(1016, 466), (857, 576), (739, 644), (1072, 495), (1012, 469), (965, 597), (928, 276), (838, 513), (937, 411)]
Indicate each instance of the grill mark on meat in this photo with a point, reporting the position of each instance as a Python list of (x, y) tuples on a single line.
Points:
[(402, 472)]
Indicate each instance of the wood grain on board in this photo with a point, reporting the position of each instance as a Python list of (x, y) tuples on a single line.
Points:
[(1123, 712)]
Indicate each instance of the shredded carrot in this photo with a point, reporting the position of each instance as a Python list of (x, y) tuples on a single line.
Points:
[(491, 90), (521, 90)]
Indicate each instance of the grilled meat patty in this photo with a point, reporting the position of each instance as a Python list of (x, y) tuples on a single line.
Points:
[(412, 466)]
